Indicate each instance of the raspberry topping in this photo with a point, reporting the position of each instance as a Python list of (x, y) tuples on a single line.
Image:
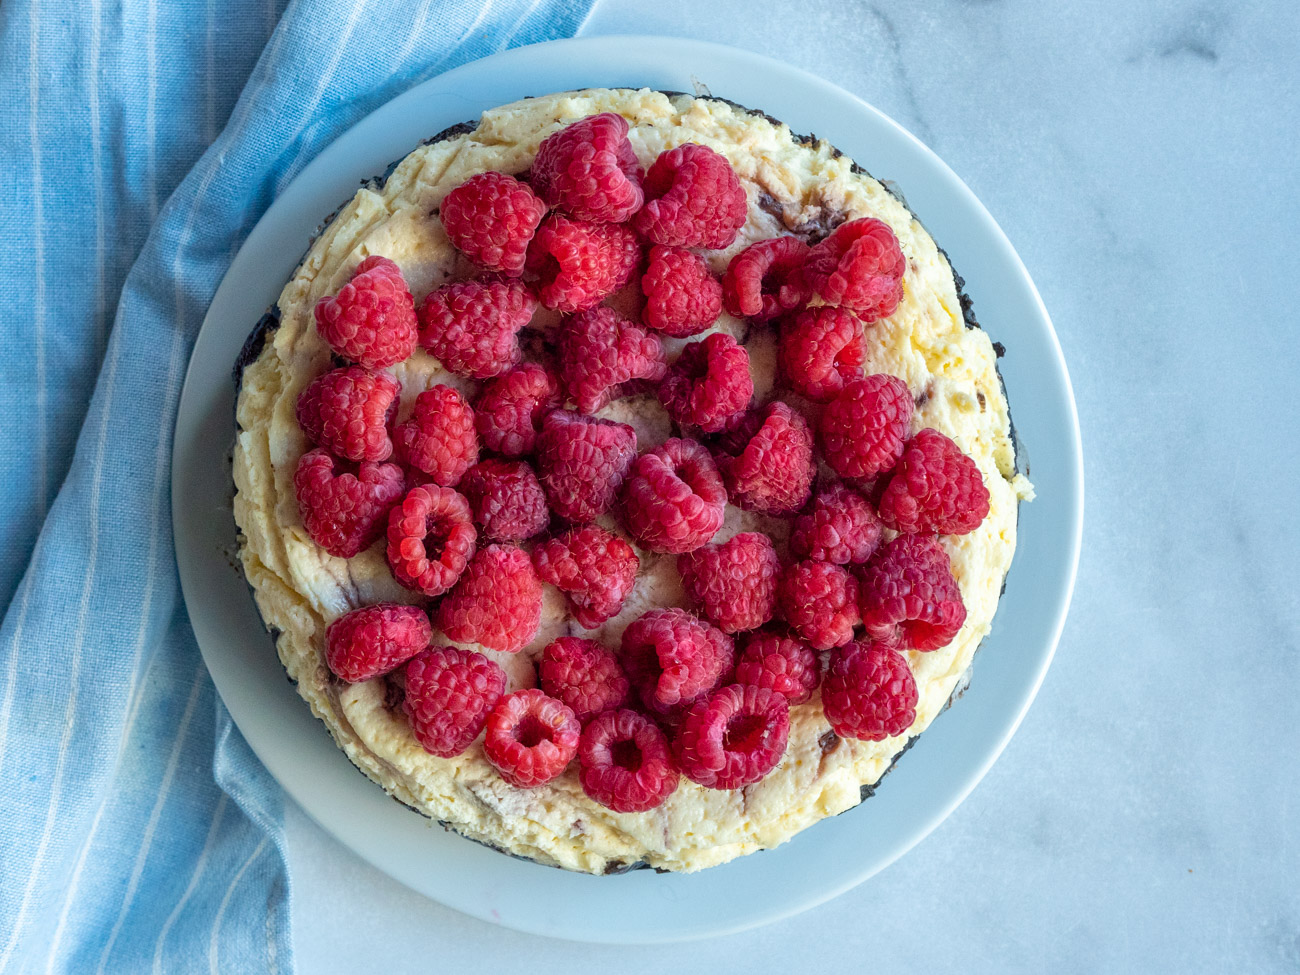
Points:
[(673, 498), (682, 295), (530, 737), (733, 737), (600, 350), (693, 199), (909, 596), (839, 527), (779, 662), (509, 411), (373, 640), (589, 170), (439, 438), (709, 385), (595, 568), (863, 428), (820, 602), (343, 504), (584, 675), (934, 488), (625, 762), (673, 657), (869, 692), (371, 321), (582, 462), (578, 264), (430, 539), (347, 411), (497, 602), (470, 326), (859, 266), (821, 350), (490, 218), (449, 693), (766, 279), (506, 500), (767, 461), (733, 584)]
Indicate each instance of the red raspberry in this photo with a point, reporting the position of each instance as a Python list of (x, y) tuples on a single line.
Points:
[(863, 428), (909, 597), (579, 264), (581, 462), (470, 326), (693, 199), (767, 461), (584, 675), (766, 279), (506, 500), (733, 737), (821, 350), (682, 295), (589, 170), (375, 639), (449, 693), (781, 663), (371, 321), (497, 602), (343, 504), (439, 438), (430, 539), (600, 350), (347, 412), (840, 527), (709, 385), (869, 692), (934, 488), (625, 762), (673, 657), (594, 568), (490, 218), (734, 583), (530, 737), (674, 500), (820, 602), (859, 266), (509, 411)]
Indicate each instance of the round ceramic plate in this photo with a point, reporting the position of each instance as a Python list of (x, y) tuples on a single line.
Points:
[(640, 906)]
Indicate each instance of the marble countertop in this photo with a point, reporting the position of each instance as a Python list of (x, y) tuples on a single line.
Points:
[(1146, 817)]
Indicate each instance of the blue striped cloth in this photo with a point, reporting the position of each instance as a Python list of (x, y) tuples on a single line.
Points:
[(140, 140)]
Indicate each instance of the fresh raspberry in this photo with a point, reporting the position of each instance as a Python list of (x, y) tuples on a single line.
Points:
[(343, 504), (530, 737), (347, 412), (430, 539), (821, 350), (600, 350), (859, 266), (869, 692), (490, 218), (497, 602), (863, 428), (693, 199), (673, 657), (766, 279), (584, 675), (589, 170), (909, 597), (625, 762), (371, 321), (673, 498), (375, 639), (839, 527), (439, 438), (449, 693), (682, 295), (934, 488), (820, 602), (734, 584), (581, 462), (508, 413), (767, 461), (779, 662), (471, 326), (594, 568), (579, 264), (733, 737), (709, 385), (506, 500)]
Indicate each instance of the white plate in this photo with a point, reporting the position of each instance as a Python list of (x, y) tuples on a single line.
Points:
[(641, 906)]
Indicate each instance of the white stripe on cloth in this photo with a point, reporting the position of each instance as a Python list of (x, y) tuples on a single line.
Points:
[(199, 866), (38, 258), (151, 112), (213, 939)]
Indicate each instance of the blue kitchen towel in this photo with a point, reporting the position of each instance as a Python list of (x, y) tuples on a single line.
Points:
[(140, 140)]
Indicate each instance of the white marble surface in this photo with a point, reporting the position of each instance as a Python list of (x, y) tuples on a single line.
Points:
[(1142, 157)]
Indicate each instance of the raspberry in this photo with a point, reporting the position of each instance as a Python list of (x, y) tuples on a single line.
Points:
[(863, 428), (766, 279), (371, 321), (821, 350), (347, 411), (343, 504), (909, 597), (625, 762), (581, 462), (490, 218), (509, 411), (709, 385), (589, 170), (673, 498), (693, 199), (820, 602), (470, 326), (781, 663), (734, 583), (859, 266), (869, 692), (430, 539), (584, 675), (373, 640), (673, 657), (600, 350), (733, 737), (530, 737), (682, 295), (439, 438), (449, 693), (506, 500), (497, 602), (767, 461), (594, 568), (934, 488), (840, 527), (579, 264)]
